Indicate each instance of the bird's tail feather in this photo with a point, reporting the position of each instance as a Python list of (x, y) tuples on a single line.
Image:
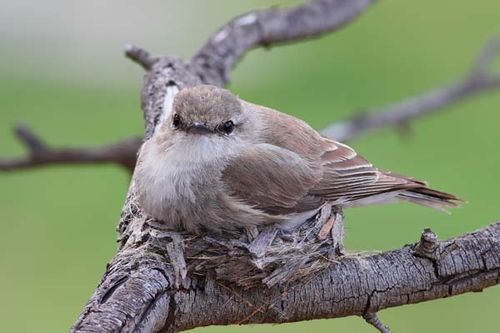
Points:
[(431, 198)]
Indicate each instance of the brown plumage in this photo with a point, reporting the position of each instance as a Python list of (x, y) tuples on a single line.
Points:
[(221, 163)]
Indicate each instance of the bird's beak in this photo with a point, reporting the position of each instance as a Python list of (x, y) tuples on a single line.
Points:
[(199, 128)]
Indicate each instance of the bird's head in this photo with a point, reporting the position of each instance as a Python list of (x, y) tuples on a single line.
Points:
[(206, 111)]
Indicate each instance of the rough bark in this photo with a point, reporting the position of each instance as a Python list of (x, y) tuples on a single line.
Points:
[(480, 79), (146, 289), (223, 50), (137, 292)]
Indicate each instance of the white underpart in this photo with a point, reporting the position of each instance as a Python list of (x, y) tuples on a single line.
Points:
[(295, 219), (196, 149), (171, 173), (168, 103), (377, 199)]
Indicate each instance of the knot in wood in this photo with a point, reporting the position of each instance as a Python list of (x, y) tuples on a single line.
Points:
[(428, 244)]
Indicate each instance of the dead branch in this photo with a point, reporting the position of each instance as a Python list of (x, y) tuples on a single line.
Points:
[(40, 154), (141, 291), (140, 56), (215, 60), (136, 294), (480, 79)]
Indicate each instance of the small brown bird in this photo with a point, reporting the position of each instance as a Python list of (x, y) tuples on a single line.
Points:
[(220, 163)]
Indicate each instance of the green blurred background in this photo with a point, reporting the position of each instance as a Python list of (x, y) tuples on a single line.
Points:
[(63, 73)]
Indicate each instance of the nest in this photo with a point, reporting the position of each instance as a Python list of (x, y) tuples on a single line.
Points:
[(268, 256)]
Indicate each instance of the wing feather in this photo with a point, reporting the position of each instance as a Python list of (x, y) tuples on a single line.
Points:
[(341, 176), (348, 177), (272, 179)]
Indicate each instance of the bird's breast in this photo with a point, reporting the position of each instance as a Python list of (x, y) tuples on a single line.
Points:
[(175, 185)]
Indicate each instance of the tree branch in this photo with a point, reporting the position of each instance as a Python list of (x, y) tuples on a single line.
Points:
[(140, 56), (40, 154), (480, 79), (142, 291), (139, 282), (269, 27)]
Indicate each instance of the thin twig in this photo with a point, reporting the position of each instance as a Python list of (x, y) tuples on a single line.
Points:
[(480, 79), (140, 56), (137, 292), (372, 319), (40, 154)]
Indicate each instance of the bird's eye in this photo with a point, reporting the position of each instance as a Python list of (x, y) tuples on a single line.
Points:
[(176, 121), (227, 127)]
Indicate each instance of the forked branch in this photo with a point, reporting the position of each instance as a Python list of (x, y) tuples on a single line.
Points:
[(270, 27), (137, 293), (480, 79), (141, 291), (39, 153)]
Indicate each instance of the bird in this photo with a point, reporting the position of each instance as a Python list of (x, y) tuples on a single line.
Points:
[(218, 163)]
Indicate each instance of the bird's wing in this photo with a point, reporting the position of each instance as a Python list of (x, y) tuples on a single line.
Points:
[(345, 176), (272, 179), (285, 131), (348, 177)]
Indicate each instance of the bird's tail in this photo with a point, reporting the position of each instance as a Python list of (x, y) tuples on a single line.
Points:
[(421, 194)]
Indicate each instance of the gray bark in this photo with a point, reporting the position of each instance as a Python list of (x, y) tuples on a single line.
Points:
[(214, 61), (145, 287), (222, 52), (137, 293), (40, 154)]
